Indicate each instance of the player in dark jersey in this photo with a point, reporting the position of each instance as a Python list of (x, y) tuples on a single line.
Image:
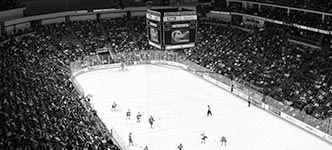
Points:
[(209, 113), (130, 138), (128, 114), (223, 140), (114, 106), (146, 148), (204, 137), (138, 117), (180, 147), (151, 120)]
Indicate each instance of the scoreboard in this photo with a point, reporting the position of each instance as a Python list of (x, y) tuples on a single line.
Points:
[(171, 29), (154, 30)]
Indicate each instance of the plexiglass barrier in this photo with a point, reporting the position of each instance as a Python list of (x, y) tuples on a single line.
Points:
[(322, 128)]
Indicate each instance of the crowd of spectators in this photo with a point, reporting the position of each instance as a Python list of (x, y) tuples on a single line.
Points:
[(294, 16), (8, 4), (268, 62), (89, 33), (319, 5), (310, 88), (213, 50), (40, 109), (301, 35)]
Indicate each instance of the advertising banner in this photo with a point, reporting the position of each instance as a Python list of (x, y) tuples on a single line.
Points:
[(179, 46), (274, 110), (256, 102), (152, 17), (180, 18)]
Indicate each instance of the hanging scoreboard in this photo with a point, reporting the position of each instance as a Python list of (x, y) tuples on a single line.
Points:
[(172, 28)]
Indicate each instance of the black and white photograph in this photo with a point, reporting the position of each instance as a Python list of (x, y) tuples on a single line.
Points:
[(166, 74)]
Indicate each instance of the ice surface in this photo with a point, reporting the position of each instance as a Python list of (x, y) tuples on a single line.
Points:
[(178, 101)]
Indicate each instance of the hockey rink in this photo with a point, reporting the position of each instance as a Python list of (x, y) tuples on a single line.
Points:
[(178, 102)]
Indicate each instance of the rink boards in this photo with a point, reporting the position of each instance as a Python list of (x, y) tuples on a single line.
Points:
[(114, 69)]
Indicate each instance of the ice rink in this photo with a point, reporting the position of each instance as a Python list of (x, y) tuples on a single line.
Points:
[(178, 101)]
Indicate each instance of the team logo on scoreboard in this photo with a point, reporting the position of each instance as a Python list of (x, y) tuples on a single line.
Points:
[(180, 36)]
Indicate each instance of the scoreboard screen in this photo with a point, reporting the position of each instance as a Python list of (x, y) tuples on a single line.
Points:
[(154, 32), (180, 31), (180, 34), (154, 29), (154, 35)]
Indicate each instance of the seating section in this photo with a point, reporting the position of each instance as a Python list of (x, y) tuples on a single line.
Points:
[(319, 5), (8, 4), (40, 108), (292, 73), (310, 19)]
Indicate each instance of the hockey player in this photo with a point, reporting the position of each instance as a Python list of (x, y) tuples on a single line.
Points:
[(204, 137), (128, 114), (151, 120), (209, 113), (130, 138), (180, 147), (146, 148), (249, 102), (138, 117), (114, 106), (223, 140), (122, 66)]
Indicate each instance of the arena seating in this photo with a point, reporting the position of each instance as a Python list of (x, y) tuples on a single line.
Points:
[(319, 5), (8, 4), (40, 108), (295, 16), (40, 105), (272, 64)]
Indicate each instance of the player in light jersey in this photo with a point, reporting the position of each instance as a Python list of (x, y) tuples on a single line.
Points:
[(128, 114), (138, 117)]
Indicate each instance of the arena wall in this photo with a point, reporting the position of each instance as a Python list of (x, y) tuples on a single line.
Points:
[(12, 14), (83, 17), (54, 20), (112, 15)]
